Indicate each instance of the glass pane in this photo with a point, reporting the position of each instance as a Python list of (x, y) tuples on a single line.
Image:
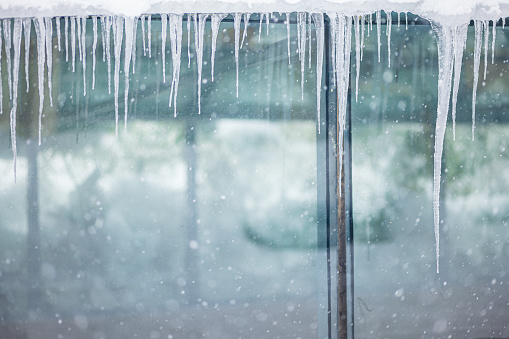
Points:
[(398, 293), (199, 225)]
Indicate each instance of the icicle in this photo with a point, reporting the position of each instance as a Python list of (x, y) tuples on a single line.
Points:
[(389, 31), (493, 42), (478, 25), (143, 35), (320, 38), (17, 50), (103, 36), (215, 22), (49, 56), (503, 23), (333, 18), (267, 19), (7, 45), (80, 44), (57, 22), (260, 27), (445, 70), (129, 23), (236, 26), (288, 35), (459, 44), (199, 32), (118, 32), (66, 34), (309, 40), (149, 33), (73, 43), (370, 23), (27, 27), (164, 29), (41, 42), (406, 21), (486, 36), (301, 33), (84, 52), (246, 24), (94, 47), (379, 30), (343, 47), (188, 41), (399, 18), (135, 32), (109, 24), (362, 36), (357, 56), (176, 48)]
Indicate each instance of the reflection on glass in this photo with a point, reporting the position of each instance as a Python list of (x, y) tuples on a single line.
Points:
[(397, 291), (200, 225)]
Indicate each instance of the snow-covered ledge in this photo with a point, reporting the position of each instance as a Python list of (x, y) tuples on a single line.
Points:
[(450, 11)]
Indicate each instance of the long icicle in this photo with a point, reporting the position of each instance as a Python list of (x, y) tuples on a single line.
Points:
[(7, 45), (494, 34), (357, 55), (133, 53), (188, 22), (459, 44), (27, 28), (109, 24), (143, 17), (288, 36), (486, 26), (302, 48), (478, 26), (343, 47), (73, 43), (164, 30), (80, 36), (103, 36), (41, 55), (215, 22), (15, 71), (199, 26), (94, 48), (66, 36), (389, 32), (237, 17), (57, 22), (176, 54), (129, 23), (49, 56), (246, 25), (84, 52), (379, 30), (334, 21), (118, 32), (445, 70), (149, 34), (320, 39)]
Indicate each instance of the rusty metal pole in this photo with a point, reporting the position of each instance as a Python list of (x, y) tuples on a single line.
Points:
[(345, 230)]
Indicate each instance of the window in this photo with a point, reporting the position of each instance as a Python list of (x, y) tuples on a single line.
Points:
[(229, 223), (210, 224)]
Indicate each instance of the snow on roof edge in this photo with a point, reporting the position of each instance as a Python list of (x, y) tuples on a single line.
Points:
[(449, 12)]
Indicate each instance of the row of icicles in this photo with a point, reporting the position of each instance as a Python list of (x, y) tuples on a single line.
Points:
[(451, 44)]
